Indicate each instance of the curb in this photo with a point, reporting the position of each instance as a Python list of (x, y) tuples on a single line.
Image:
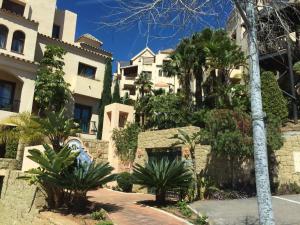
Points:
[(169, 214)]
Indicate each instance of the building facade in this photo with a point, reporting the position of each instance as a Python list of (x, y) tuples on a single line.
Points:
[(152, 64), (26, 28)]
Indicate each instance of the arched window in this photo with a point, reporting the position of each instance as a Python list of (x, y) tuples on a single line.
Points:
[(18, 42), (3, 36)]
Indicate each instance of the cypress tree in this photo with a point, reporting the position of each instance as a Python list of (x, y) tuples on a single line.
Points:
[(274, 103), (106, 95), (116, 95)]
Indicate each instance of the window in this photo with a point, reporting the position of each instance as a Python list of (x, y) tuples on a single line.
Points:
[(82, 115), (18, 42), (7, 91), (56, 31), (3, 36), (171, 154), (86, 71), (13, 7)]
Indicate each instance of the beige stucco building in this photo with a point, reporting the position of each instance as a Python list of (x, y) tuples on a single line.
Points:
[(26, 27), (151, 63)]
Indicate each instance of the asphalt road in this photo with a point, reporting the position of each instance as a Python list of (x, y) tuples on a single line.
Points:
[(245, 212)]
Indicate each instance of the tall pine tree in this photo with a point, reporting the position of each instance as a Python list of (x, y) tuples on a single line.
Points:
[(106, 95), (116, 95)]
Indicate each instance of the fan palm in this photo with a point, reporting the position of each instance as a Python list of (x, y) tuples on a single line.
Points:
[(143, 82), (162, 175)]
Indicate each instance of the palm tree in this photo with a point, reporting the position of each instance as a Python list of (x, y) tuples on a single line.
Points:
[(222, 56), (181, 66), (162, 175), (190, 141), (56, 126), (143, 82)]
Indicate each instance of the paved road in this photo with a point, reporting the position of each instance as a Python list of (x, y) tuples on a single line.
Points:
[(123, 209), (244, 212)]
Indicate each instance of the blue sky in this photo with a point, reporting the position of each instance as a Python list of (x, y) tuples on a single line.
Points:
[(124, 44)]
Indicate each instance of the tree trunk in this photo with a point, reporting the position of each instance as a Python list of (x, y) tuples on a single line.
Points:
[(259, 134), (198, 92), (160, 197)]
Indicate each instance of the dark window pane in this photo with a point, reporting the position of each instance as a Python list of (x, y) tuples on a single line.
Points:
[(86, 70), (13, 7), (56, 31), (82, 115), (3, 36), (6, 95), (18, 42)]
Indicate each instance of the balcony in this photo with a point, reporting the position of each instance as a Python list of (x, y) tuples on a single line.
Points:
[(88, 87), (272, 46)]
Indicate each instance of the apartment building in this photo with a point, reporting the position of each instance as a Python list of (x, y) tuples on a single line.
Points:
[(152, 64), (26, 27)]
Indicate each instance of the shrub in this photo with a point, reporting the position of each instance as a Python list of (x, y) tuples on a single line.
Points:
[(162, 175), (229, 132), (99, 215), (274, 103), (125, 182), (11, 149), (105, 223), (201, 220), (184, 209), (166, 111), (126, 141)]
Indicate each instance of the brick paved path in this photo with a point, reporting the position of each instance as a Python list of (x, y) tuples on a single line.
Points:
[(123, 210)]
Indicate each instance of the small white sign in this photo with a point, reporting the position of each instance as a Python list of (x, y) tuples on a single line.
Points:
[(297, 161)]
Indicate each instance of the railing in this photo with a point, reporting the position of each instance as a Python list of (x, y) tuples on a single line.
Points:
[(274, 45), (6, 104), (87, 127)]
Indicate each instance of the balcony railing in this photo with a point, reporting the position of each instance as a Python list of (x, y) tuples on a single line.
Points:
[(7, 104), (87, 127), (274, 45)]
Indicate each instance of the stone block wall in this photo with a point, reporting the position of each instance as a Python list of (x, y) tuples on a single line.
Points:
[(10, 164), (97, 149), (287, 159), (19, 202), (219, 168), (158, 139)]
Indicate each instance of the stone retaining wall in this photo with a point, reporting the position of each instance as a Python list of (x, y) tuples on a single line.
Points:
[(19, 201), (288, 157), (10, 164), (97, 149)]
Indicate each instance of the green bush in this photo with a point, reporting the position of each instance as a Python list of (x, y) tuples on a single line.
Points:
[(11, 149), (105, 223), (125, 182), (274, 103), (166, 111), (201, 220), (99, 215), (126, 141), (229, 132), (184, 209)]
